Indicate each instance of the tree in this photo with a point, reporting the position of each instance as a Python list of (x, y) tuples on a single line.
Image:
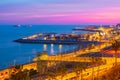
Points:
[(32, 72), (95, 61), (115, 47), (62, 70), (19, 76), (23, 75), (51, 76), (112, 74), (19, 67), (98, 62), (41, 64), (78, 68)]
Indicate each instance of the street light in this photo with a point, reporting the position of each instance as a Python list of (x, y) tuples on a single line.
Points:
[(78, 72)]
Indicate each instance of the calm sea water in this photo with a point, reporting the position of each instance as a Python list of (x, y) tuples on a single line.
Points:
[(22, 53)]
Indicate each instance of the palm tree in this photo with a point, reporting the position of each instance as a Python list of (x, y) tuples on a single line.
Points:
[(78, 68), (115, 47)]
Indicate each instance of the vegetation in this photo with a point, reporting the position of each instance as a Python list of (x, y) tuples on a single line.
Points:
[(42, 54), (112, 74), (32, 72), (91, 46), (78, 68), (23, 75), (18, 67), (96, 61), (51, 75), (62, 70), (41, 65), (115, 47)]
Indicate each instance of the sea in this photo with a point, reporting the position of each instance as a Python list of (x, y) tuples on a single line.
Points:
[(18, 53)]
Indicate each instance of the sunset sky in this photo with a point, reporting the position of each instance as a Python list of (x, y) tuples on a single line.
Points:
[(59, 11)]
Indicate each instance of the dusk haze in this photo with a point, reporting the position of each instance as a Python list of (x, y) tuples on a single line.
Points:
[(59, 11)]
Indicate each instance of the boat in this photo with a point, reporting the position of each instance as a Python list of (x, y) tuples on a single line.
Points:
[(18, 25)]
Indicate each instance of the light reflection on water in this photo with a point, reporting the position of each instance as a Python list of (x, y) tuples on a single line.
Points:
[(10, 51), (52, 49)]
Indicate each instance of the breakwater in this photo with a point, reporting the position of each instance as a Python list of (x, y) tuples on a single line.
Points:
[(53, 41)]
